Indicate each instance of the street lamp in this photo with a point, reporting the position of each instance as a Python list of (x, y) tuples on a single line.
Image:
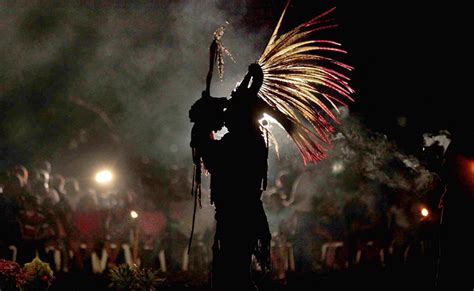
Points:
[(135, 238), (424, 212), (104, 177)]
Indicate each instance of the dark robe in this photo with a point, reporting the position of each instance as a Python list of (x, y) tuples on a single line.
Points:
[(238, 167)]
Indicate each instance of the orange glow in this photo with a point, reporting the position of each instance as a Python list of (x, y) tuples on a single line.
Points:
[(464, 173)]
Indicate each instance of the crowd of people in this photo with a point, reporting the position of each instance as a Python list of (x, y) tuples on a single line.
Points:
[(371, 226), (47, 215), (77, 228)]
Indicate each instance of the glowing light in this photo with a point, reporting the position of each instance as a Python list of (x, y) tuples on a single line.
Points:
[(267, 121), (104, 177), (133, 214), (424, 212), (305, 85), (337, 167)]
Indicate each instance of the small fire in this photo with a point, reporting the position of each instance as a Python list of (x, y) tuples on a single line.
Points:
[(133, 214)]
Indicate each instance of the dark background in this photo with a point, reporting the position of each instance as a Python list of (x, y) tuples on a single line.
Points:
[(88, 82)]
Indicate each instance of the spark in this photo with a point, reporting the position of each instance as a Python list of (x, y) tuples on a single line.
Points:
[(304, 84)]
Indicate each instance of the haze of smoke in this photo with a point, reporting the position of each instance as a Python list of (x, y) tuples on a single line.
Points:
[(142, 65), (359, 161)]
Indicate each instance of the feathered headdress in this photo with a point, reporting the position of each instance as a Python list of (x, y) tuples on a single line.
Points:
[(303, 83)]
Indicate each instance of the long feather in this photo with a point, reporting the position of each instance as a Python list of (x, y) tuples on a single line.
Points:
[(304, 82)]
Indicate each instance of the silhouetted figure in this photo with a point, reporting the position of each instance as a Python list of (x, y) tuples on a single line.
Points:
[(9, 208), (400, 228), (356, 218), (238, 167), (457, 238)]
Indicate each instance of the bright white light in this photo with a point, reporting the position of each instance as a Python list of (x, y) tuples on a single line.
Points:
[(267, 121), (103, 177), (133, 214), (425, 212)]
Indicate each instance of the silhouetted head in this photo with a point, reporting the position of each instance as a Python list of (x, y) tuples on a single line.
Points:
[(72, 186), (58, 182), (23, 173)]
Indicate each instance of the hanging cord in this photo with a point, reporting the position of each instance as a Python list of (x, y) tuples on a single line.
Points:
[(441, 206), (267, 145), (196, 192)]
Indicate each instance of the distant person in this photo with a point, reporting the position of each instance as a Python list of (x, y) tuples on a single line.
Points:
[(9, 209), (400, 229), (304, 193), (457, 222), (356, 216), (73, 192)]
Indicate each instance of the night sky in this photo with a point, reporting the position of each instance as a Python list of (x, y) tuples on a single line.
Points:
[(407, 56), (139, 65)]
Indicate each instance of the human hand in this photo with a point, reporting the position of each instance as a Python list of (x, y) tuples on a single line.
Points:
[(255, 69)]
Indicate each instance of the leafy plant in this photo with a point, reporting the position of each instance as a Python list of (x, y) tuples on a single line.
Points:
[(125, 277), (12, 276), (38, 275), (35, 275)]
